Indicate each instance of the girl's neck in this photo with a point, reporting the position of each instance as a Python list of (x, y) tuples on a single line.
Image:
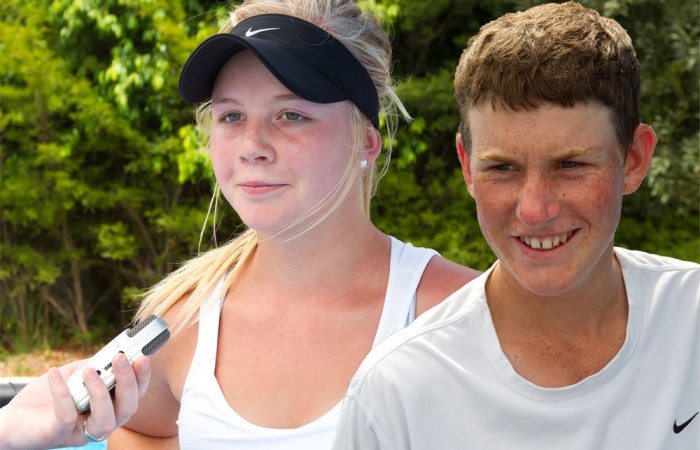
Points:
[(321, 255)]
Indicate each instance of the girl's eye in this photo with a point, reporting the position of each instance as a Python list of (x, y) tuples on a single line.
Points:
[(231, 117), (292, 116)]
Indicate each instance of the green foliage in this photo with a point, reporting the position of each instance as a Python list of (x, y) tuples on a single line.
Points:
[(100, 192), (104, 182)]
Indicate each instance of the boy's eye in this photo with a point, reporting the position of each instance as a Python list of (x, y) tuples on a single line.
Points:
[(502, 167), (292, 116)]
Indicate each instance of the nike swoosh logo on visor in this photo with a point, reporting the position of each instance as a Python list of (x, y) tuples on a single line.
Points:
[(250, 31)]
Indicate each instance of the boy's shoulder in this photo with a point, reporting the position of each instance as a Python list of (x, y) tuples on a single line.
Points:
[(650, 261)]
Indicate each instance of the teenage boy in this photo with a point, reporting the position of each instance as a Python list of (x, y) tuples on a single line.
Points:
[(566, 342)]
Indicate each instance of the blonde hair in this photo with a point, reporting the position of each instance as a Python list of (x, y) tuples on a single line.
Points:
[(362, 34)]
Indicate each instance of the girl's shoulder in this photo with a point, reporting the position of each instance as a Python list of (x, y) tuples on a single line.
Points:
[(441, 278)]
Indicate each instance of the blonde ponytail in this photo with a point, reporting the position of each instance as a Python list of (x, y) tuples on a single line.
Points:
[(196, 279)]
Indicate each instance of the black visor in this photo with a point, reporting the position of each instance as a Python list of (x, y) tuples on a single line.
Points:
[(303, 57)]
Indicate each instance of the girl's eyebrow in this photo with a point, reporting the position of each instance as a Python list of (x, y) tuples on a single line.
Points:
[(282, 97), (288, 97), (222, 100)]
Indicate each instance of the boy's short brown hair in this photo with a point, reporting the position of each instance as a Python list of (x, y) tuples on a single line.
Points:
[(561, 54)]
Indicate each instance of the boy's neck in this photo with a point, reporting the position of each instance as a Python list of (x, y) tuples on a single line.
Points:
[(558, 341)]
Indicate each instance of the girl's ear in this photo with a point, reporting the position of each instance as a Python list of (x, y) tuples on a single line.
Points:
[(373, 143)]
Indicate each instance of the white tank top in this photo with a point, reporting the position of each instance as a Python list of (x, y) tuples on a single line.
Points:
[(207, 421)]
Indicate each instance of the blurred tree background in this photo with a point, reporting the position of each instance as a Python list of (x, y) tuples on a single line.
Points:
[(104, 186)]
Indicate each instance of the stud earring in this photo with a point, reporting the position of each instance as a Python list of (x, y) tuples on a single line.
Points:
[(363, 163)]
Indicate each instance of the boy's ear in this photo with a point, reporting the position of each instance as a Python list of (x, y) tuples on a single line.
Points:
[(466, 163), (639, 158)]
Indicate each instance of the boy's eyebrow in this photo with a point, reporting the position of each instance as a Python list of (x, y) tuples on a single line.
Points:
[(567, 154), (494, 155)]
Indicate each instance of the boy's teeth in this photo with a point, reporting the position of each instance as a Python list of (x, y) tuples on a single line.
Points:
[(546, 243)]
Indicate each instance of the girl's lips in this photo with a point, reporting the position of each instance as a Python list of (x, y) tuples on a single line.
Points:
[(259, 188)]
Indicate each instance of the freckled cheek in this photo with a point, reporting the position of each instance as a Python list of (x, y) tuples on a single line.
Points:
[(598, 203), (494, 210), (494, 197), (601, 193), (222, 165), (599, 197), (606, 206)]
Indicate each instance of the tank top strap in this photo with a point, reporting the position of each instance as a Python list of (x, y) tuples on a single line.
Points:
[(406, 270), (204, 359)]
